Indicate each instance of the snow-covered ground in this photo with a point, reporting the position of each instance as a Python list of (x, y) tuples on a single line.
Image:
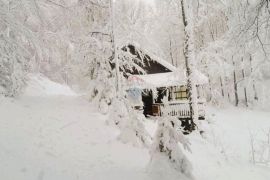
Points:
[(225, 151), (50, 133)]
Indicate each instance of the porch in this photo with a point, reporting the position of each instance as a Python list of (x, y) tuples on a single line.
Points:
[(177, 108)]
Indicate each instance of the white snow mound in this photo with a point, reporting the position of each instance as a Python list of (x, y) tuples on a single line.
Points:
[(40, 85)]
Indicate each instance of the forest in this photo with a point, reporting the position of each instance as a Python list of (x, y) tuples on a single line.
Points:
[(135, 89)]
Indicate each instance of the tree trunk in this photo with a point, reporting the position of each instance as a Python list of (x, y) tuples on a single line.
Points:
[(221, 85), (192, 97), (253, 81), (114, 50), (171, 52), (235, 86), (245, 88), (8, 30), (229, 97)]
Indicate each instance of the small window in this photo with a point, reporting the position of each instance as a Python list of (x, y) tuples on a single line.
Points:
[(181, 93)]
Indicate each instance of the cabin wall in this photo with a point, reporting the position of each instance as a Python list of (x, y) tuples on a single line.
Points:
[(177, 97)]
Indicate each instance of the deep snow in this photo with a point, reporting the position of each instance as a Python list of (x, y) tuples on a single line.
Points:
[(46, 135)]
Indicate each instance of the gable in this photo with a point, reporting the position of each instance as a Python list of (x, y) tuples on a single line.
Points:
[(150, 64)]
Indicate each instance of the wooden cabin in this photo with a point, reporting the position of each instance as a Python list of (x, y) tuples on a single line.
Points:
[(162, 82)]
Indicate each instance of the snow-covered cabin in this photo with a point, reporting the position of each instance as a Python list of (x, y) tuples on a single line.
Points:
[(161, 82)]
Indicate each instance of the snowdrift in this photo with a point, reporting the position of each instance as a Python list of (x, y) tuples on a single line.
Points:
[(40, 85)]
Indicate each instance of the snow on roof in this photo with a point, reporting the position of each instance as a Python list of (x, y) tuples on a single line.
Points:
[(176, 78), (152, 56), (162, 62)]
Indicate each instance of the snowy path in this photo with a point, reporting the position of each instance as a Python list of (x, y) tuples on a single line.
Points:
[(61, 138), (50, 133)]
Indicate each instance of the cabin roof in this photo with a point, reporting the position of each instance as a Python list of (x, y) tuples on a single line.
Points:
[(152, 63), (168, 76), (176, 78), (154, 57)]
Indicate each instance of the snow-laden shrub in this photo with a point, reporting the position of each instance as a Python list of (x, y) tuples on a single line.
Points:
[(129, 122), (133, 130), (260, 147), (169, 143), (118, 112), (102, 92), (12, 67)]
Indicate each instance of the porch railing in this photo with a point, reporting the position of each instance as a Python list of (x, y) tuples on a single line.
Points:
[(179, 109)]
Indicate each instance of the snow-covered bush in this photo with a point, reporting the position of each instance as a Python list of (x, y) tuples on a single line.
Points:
[(12, 67), (169, 144), (15, 41), (129, 122), (101, 93), (260, 148), (133, 130)]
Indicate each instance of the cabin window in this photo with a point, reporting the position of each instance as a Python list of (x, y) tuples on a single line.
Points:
[(181, 93)]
